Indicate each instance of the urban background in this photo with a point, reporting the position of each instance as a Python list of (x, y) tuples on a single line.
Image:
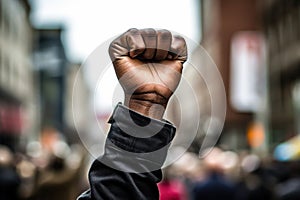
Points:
[(256, 47)]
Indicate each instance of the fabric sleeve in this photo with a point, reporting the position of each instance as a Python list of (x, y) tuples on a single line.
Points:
[(135, 150)]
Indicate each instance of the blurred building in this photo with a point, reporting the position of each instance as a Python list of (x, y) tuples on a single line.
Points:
[(51, 64), (76, 100), (232, 35), (282, 30), (222, 22), (255, 45), (18, 107), (57, 77)]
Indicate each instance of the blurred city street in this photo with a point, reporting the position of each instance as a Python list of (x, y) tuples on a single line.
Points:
[(54, 106)]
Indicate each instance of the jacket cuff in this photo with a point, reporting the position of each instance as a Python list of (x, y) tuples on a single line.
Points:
[(136, 142)]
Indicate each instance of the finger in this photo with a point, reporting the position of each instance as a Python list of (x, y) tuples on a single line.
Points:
[(164, 39), (135, 42), (178, 50), (150, 40), (128, 44)]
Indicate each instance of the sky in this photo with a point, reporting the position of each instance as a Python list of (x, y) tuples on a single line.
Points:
[(89, 23)]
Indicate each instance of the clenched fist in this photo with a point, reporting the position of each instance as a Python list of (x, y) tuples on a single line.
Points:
[(148, 64)]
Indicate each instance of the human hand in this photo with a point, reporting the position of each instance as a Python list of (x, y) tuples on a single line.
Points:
[(148, 64)]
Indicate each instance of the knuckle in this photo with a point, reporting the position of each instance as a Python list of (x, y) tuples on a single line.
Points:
[(149, 32), (164, 34), (131, 31), (179, 41)]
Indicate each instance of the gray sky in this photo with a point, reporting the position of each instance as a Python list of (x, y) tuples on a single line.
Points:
[(91, 22)]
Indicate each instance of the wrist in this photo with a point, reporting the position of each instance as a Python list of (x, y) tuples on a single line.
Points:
[(146, 107)]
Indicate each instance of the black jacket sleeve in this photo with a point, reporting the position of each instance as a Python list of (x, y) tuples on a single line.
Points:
[(135, 150)]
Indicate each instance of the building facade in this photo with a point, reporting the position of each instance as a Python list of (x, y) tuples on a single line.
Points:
[(50, 66), (233, 37), (57, 78), (282, 30), (18, 109)]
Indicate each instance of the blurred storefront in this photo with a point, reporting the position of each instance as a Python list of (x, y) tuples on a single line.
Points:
[(18, 108)]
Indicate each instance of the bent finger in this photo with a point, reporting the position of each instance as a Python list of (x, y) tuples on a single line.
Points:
[(164, 39), (178, 49), (150, 40)]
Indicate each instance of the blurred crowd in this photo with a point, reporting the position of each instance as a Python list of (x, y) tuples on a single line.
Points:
[(52, 169), (229, 175), (47, 169)]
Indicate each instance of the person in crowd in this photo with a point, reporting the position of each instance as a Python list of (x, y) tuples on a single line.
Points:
[(148, 64), (290, 188), (9, 178), (256, 182), (215, 186), (59, 178), (171, 188)]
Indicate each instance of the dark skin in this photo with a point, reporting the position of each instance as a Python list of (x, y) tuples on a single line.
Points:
[(148, 64)]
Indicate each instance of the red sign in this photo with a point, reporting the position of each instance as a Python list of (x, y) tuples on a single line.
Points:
[(10, 119)]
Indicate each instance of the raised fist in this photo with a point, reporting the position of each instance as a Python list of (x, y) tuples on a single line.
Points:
[(148, 64)]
